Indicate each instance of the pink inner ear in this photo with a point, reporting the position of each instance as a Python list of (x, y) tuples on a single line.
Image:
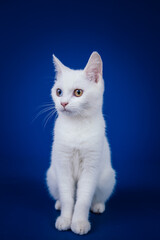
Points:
[(93, 74)]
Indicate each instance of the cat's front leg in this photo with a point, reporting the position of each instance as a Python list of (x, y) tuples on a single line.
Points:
[(66, 193), (85, 192)]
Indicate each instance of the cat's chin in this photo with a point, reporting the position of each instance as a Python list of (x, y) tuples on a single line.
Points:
[(68, 112)]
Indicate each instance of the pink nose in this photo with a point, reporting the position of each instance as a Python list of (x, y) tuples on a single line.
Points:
[(64, 104)]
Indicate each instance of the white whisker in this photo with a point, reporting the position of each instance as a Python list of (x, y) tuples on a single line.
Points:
[(46, 109), (46, 105), (48, 117)]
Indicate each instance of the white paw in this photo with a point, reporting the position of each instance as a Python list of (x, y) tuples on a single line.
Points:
[(81, 227), (98, 208), (63, 223), (57, 205)]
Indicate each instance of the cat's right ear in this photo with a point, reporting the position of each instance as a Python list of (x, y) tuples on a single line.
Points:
[(93, 68), (59, 67)]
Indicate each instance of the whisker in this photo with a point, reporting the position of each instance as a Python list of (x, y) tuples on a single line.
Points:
[(48, 117), (46, 105), (49, 114), (42, 111)]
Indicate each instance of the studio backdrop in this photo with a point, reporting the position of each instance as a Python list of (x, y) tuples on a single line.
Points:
[(126, 35)]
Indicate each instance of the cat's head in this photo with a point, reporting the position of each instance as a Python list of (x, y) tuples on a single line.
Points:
[(79, 92)]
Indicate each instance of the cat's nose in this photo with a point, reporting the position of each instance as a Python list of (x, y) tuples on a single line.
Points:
[(64, 104)]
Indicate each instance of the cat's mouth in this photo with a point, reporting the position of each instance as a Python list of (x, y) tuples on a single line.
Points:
[(65, 110)]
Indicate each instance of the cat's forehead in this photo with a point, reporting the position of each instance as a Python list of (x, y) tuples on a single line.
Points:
[(72, 78)]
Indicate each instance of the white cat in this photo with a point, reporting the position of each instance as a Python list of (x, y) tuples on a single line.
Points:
[(80, 176)]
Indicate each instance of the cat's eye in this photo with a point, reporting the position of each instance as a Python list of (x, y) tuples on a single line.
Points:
[(78, 92), (59, 92)]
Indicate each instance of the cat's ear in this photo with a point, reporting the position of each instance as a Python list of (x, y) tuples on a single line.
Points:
[(93, 68), (59, 66)]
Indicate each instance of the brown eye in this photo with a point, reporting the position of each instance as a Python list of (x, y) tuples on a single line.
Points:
[(59, 92), (78, 92)]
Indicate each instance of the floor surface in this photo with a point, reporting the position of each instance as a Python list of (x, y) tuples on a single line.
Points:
[(27, 212)]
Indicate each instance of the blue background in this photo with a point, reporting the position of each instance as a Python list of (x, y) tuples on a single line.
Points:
[(127, 36)]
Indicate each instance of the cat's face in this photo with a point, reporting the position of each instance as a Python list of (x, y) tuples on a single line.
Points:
[(79, 92)]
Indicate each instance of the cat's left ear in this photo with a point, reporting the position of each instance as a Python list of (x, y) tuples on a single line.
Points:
[(93, 68)]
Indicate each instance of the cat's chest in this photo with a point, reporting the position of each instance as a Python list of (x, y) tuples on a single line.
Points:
[(75, 135), (76, 164)]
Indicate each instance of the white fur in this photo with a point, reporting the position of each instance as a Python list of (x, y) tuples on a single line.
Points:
[(80, 176)]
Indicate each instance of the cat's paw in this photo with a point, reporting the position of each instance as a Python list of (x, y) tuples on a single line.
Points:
[(63, 223), (81, 227), (98, 207), (58, 205)]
